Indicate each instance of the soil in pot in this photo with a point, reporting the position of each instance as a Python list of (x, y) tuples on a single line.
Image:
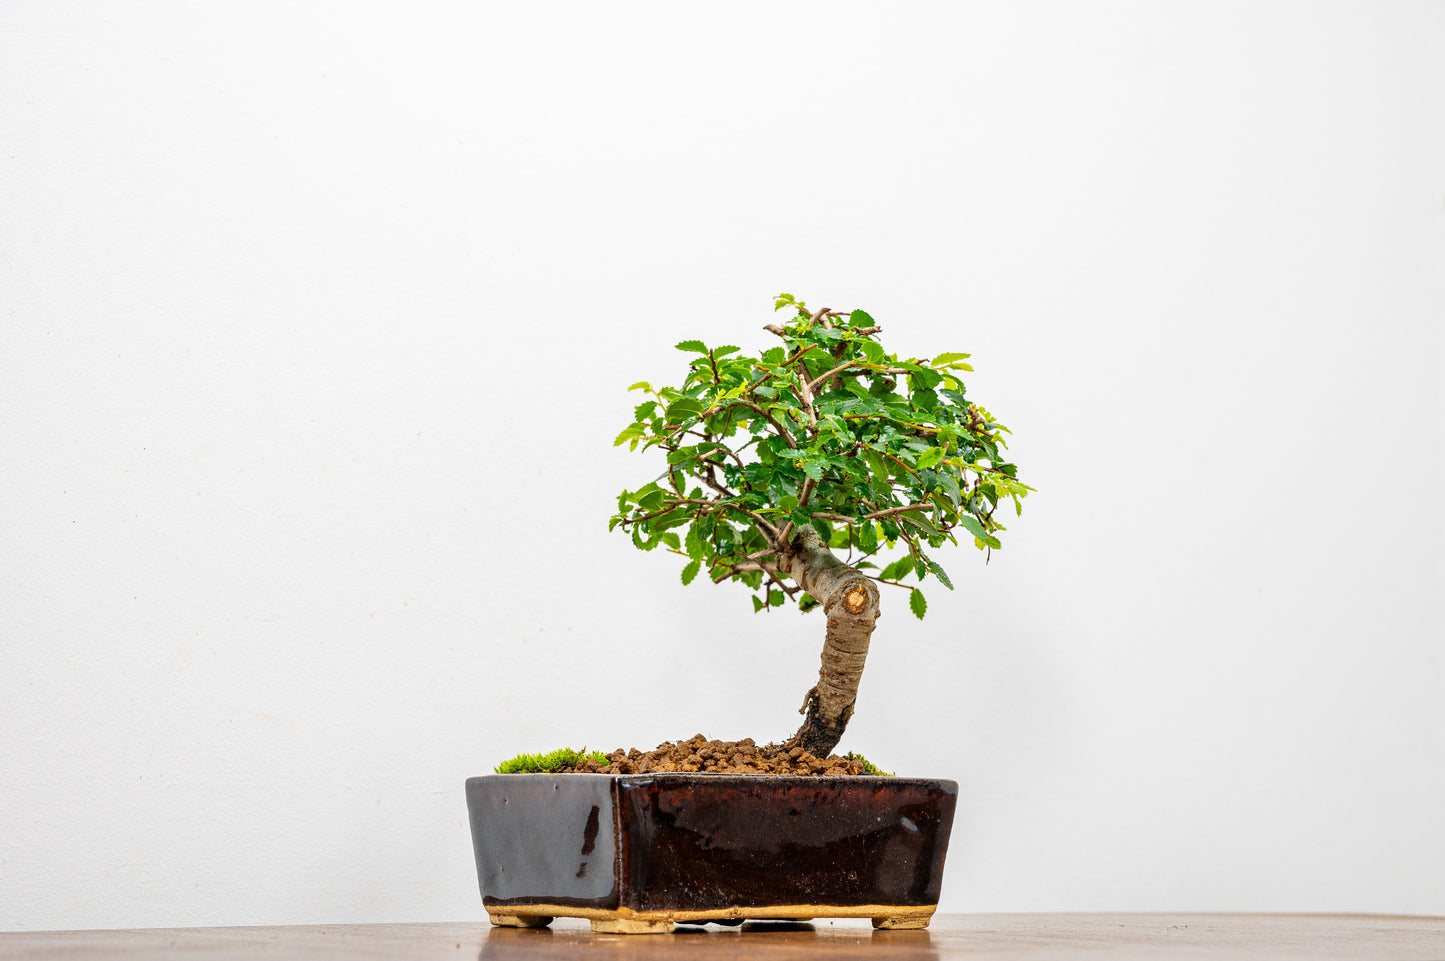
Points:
[(700, 755)]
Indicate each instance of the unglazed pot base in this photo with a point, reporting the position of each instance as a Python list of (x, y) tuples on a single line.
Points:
[(623, 921)]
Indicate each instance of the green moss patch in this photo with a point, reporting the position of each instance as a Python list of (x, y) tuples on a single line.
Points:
[(868, 766), (562, 759)]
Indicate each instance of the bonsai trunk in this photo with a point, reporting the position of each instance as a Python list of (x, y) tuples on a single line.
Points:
[(849, 601)]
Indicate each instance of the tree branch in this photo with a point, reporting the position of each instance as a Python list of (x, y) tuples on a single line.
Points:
[(809, 485), (744, 567), (907, 587), (780, 585), (799, 353), (837, 372), (853, 521), (921, 505), (672, 505), (758, 408), (807, 491), (833, 373), (805, 397), (850, 521), (708, 438), (769, 532)]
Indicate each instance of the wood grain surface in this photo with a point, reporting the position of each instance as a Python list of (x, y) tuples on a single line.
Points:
[(980, 937)]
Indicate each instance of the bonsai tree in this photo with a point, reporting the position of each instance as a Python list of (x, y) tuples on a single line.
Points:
[(825, 445)]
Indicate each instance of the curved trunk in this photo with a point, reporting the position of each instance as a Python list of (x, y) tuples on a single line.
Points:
[(849, 601)]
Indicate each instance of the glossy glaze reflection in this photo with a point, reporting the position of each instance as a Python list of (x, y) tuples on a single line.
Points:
[(717, 841)]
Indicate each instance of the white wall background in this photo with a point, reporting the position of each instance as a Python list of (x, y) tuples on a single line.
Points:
[(317, 321)]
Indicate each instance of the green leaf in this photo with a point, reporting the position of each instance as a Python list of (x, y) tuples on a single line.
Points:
[(695, 544), (899, 569), (757, 604), (825, 532), (873, 351), (930, 457), (917, 603), (813, 469), (861, 318), (696, 346), (788, 503), (971, 524), (683, 407), (924, 379), (627, 434), (673, 518), (876, 463), (640, 385), (939, 573), (942, 359), (690, 571), (723, 351), (950, 488), (920, 520)]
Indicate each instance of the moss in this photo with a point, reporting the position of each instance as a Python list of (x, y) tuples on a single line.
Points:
[(868, 766), (562, 759)]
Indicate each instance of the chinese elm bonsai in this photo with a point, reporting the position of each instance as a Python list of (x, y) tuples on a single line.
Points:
[(800, 473), (810, 474)]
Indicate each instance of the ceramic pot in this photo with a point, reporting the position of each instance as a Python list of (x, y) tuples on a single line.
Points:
[(637, 853)]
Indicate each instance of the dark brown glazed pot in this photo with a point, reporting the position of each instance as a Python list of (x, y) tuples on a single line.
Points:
[(635, 853)]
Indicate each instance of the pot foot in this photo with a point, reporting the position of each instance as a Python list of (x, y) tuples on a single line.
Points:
[(908, 922), (630, 926), (520, 921)]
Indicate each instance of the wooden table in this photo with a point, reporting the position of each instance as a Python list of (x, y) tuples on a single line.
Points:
[(978, 937)]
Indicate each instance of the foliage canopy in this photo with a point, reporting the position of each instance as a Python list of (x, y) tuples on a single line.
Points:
[(884, 457)]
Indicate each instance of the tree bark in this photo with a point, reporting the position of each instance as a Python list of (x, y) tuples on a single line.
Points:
[(849, 601)]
